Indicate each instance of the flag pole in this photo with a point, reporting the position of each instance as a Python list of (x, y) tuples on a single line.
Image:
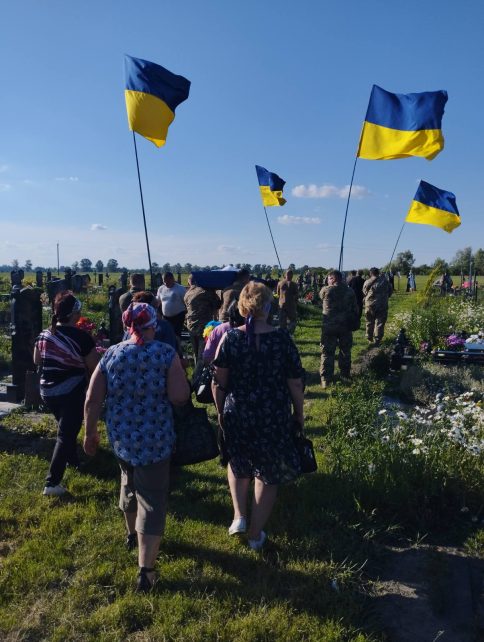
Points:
[(394, 249), (340, 266), (143, 210), (273, 243)]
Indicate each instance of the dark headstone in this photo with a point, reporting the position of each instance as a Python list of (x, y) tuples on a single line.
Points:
[(39, 279), (49, 276), (157, 281), (68, 278), (86, 280), (55, 286), (100, 279), (25, 327), (115, 320), (178, 277), (16, 277), (124, 280), (77, 283)]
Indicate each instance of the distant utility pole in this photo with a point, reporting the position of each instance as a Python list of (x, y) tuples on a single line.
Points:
[(58, 269)]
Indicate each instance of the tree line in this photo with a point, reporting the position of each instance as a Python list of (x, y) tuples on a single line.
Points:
[(403, 263)]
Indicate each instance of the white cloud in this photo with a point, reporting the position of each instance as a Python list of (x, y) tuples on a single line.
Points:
[(5, 187), (227, 248), (329, 191), (98, 226), (72, 179), (298, 220)]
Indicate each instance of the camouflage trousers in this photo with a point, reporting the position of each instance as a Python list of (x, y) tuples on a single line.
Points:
[(375, 324), (329, 343), (287, 321)]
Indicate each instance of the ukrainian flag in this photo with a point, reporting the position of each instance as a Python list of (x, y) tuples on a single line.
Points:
[(434, 206), (402, 125), (271, 186), (152, 94)]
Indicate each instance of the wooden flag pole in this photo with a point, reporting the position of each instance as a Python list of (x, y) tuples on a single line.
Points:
[(340, 266), (143, 210), (273, 243)]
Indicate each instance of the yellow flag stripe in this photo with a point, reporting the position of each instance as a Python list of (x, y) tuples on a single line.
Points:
[(427, 215), (384, 143), (148, 115)]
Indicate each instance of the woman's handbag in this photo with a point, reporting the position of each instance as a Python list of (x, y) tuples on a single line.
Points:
[(196, 440), (202, 383), (305, 449)]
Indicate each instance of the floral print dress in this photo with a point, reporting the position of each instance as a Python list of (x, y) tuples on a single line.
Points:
[(257, 410)]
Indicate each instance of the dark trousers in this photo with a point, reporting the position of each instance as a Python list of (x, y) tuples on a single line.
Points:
[(177, 322), (198, 345), (68, 411)]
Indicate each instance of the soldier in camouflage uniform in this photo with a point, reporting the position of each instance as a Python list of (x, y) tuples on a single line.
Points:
[(339, 312), (288, 294), (376, 291), (202, 306), (232, 293)]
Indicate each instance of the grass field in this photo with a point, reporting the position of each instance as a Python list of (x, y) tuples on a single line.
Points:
[(65, 575)]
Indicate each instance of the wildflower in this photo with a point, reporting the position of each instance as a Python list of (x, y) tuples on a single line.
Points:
[(416, 441), (415, 451), (352, 432), (385, 439), (382, 411), (402, 415), (371, 468)]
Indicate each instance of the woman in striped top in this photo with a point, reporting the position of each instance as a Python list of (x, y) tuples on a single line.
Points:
[(66, 357)]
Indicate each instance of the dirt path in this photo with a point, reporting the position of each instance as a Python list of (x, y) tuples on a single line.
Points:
[(429, 593)]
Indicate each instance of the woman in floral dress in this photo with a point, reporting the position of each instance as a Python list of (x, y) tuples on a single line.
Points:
[(258, 379)]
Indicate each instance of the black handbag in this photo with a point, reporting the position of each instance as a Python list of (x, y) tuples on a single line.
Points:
[(305, 449), (202, 383), (196, 439)]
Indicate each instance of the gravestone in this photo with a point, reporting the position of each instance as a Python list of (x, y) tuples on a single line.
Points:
[(68, 278), (100, 279), (157, 281), (86, 281), (16, 278), (115, 320), (55, 286), (25, 327), (178, 277), (49, 276), (76, 283), (39, 279), (124, 280)]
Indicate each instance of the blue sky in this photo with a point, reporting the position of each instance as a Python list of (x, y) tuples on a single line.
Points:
[(281, 84)]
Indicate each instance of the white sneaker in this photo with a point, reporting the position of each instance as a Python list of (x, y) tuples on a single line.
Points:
[(238, 526), (54, 491), (257, 544)]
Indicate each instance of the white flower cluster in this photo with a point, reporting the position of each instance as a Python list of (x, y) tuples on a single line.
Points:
[(451, 420), (456, 420), (468, 317)]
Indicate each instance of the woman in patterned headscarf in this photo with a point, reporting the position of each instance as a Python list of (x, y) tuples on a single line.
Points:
[(139, 379), (65, 354)]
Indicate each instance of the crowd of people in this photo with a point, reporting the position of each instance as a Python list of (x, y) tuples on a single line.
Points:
[(257, 386)]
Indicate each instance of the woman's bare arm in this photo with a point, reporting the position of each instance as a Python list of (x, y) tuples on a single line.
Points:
[(92, 409), (178, 389), (296, 390)]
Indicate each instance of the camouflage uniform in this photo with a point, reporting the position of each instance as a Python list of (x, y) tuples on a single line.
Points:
[(339, 305), (202, 306), (228, 295), (288, 294), (376, 291)]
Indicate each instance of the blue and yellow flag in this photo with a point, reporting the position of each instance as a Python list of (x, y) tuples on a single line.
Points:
[(402, 125), (152, 94), (271, 186), (434, 206)]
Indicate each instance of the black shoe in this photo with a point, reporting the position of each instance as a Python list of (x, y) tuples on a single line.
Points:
[(131, 541), (143, 583)]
